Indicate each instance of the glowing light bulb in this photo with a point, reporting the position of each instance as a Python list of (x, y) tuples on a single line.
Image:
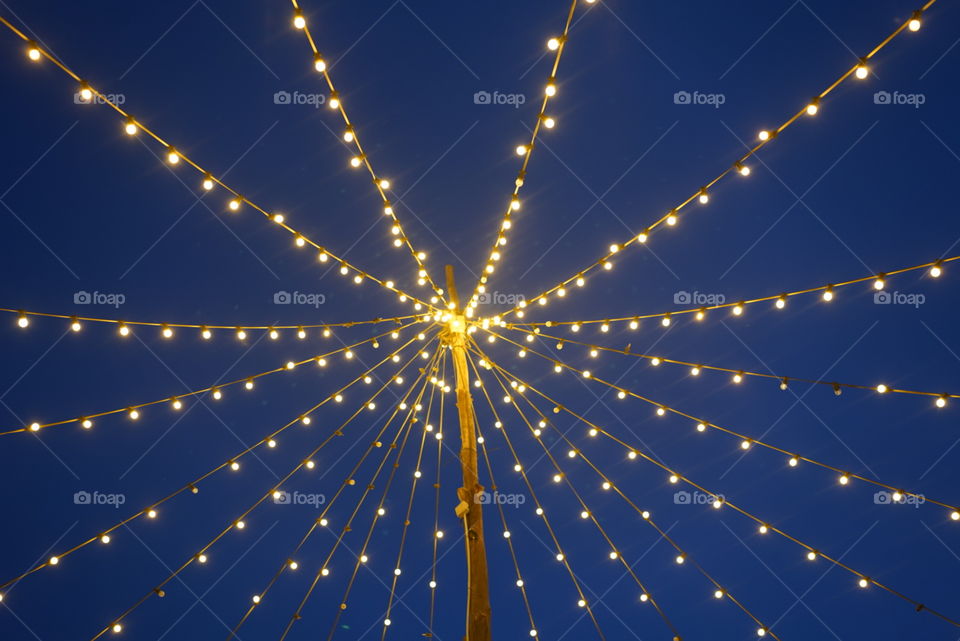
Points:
[(241, 334), (828, 294), (764, 529), (936, 270), (293, 565), (844, 479), (278, 218), (672, 220), (813, 107), (133, 414), (862, 71), (680, 559), (941, 401), (550, 89), (86, 93), (764, 135), (33, 52), (553, 44), (86, 423), (131, 127), (167, 332), (116, 628), (882, 389), (704, 197), (356, 162), (234, 466), (76, 326), (718, 594), (172, 156), (152, 514), (105, 538), (176, 404), (319, 63), (738, 309), (743, 169), (914, 24), (549, 123), (299, 21), (794, 461), (234, 204), (208, 182), (811, 556), (23, 321), (781, 303)]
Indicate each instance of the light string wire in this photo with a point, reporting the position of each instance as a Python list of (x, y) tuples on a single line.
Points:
[(498, 373), (158, 589), (738, 307), (811, 108), (764, 526), (442, 353), (351, 137), (24, 316), (193, 485), (174, 155), (745, 441), (134, 410), (738, 374), (321, 520), (521, 584), (436, 526), (561, 555), (558, 44), (615, 550), (324, 568)]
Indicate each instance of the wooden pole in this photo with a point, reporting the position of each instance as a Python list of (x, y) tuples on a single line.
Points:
[(470, 506)]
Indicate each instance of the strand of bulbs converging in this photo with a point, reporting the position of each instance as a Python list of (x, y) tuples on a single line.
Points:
[(557, 46), (741, 167), (175, 157), (360, 159), (217, 391), (720, 501), (746, 442), (270, 441)]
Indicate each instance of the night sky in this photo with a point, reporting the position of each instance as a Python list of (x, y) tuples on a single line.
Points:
[(654, 100)]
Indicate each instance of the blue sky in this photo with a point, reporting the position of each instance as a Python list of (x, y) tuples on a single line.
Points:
[(654, 101)]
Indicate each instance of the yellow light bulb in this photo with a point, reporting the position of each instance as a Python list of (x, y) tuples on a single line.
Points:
[(319, 64), (299, 21), (862, 72), (549, 123), (764, 135), (553, 44), (172, 156), (23, 321), (130, 128), (234, 204), (208, 183), (914, 24), (551, 90), (33, 53), (813, 107)]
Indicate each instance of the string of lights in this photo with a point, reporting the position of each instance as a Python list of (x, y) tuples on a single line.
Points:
[(738, 374), (586, 513), (561, 556), (116, 625), (746, 442), (322, 520), (233, 463), (557, 45), (363, 557), (861, 71), (206, 331), (87, 94), (324, 568), (436, 528), (360, 158), (436, 534), (682, 556), (520, 583), (828, 293), (812, 553), (134, 412)]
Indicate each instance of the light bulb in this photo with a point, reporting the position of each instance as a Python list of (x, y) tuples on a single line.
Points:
[(86, 423), (862, 71), (553, 44), (172, 156), (130, 128), (941, 401), (549, 123), (936, 270), (208, 182), (813, 107), (781, 302), (672, 220), (882, 389), (116, 628), (105, 538), (914, 24), (319, 64), (133, 414), (764, 135), (167, 332), (278, 218), (33, 52), (704, 197), (521, 150), (299, 21), (551, 90), (828, 294), (23, 321), (234, 204), (743, 169)]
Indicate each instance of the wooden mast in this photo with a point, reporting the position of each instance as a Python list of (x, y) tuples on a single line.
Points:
[(470, 507)]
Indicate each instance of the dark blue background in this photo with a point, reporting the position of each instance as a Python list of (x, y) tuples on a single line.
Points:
[(861, 188)]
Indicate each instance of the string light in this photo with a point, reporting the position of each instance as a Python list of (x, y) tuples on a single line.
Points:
[(741, 167)]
